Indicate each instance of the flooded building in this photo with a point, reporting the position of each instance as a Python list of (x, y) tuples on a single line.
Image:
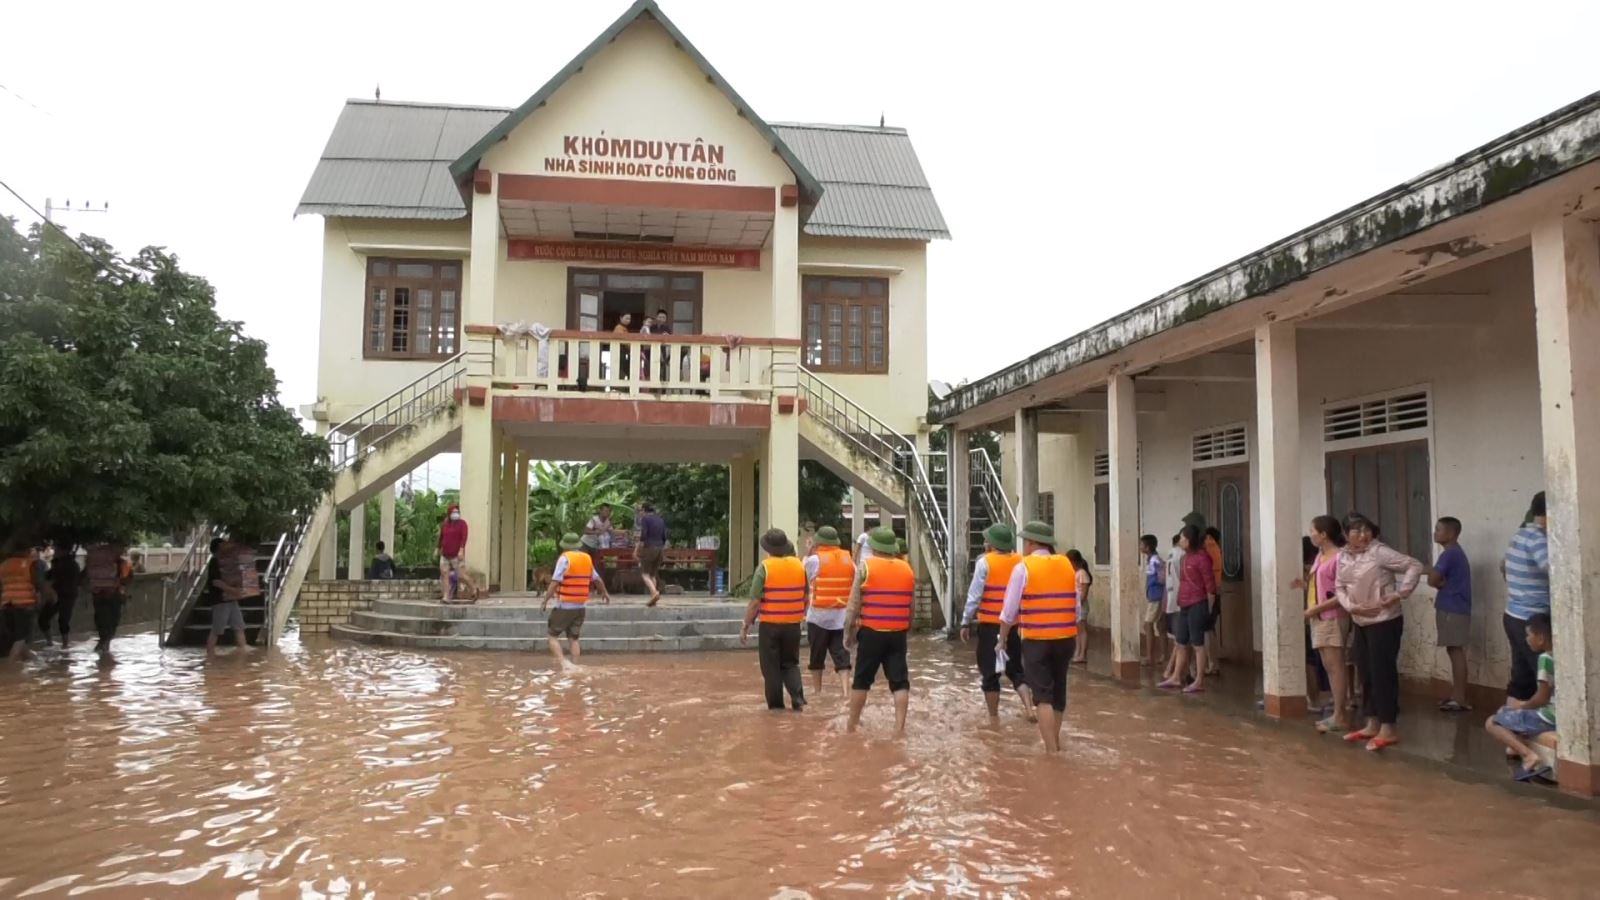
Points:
[(1427, 352), (486, 273)]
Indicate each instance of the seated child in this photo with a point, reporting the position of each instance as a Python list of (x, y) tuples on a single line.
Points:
[(1521, 723)]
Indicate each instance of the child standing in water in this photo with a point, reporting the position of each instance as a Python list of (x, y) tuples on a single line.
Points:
[(1085, 580), (1155, 595)]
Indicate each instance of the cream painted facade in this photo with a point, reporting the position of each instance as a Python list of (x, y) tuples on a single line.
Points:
[(530, 181)]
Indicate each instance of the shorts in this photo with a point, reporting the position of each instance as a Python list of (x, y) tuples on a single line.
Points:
[(649, 560), (1192, 622), (226, 614), (1526, 722), (988, 641), (566, 621), (452, 564), (1152, 613), (1044, 667), (1454, 628), (1330, 632), (826, 642), (1172, 625), (16, 624), (886, 649)]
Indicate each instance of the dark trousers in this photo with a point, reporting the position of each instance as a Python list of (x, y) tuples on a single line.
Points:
[(779, 649), (107, 616), (59, 613), (1378, 663), (988, 641), (1524, 681)]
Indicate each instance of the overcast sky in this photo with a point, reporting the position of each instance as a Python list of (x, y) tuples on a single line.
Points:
[(1086, 159)]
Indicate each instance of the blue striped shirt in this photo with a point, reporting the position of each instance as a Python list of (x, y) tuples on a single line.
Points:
[(1528, 573)]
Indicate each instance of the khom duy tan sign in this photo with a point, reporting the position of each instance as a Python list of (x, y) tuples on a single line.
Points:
[(634, 254), (638, 158)]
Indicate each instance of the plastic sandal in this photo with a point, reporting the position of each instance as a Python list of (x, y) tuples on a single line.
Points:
[(1379, 743), (1357, 736)]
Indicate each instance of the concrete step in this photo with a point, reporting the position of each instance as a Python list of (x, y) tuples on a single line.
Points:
[(598, 612), (539, 644), (534, 626)]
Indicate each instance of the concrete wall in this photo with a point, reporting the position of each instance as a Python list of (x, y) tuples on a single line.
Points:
[(1480, 366)]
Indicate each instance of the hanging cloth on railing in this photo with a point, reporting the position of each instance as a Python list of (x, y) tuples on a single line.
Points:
[(540, 332)]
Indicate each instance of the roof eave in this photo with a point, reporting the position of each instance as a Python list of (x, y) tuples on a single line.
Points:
[(810, 188)]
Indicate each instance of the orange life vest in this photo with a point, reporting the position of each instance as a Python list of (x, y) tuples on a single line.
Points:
[(1049, 600), (994, 587), (783, 593), (16, 582), (579, 575), (836, 574), (887, 593), (103, 564)]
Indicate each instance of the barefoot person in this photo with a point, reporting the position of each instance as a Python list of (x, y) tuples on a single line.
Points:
[(831, 573), (778, 597), (651, 533), (22, 585), (571, 584), (877, 622), (985, 597), (1042, 602), (237, 580), (109, 574)]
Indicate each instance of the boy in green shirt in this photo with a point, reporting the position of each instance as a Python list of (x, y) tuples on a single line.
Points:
[(1522, 723)]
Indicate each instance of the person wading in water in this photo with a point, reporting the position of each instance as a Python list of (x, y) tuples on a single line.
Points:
[(878, 618), (778, 596), (572, 581), (1042, 601), (830, 573), (985, 597)]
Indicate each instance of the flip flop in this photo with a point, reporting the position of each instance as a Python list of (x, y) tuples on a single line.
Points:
[(1379, 743), (1169, 685), (1525, 774), (1327, 725), (1451, 706), (1191, 689), (1357, 736)]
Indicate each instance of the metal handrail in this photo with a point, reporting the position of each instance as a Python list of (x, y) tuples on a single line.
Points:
[(364, 432), (188, 579), (987, 480), (889, 447)]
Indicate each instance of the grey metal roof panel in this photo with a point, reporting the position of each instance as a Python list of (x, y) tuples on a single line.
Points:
[(463, 128), (870, 210), (859, 155), (334, 210)]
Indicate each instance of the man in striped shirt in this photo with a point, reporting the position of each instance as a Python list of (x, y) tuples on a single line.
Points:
[(1527, 570)]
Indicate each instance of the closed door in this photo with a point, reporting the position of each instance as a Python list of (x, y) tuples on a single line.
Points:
[(1222, 495)]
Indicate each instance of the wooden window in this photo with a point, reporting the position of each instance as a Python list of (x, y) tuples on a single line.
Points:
[(598, 298), (845, 324), (1389, 484), (413, 309)]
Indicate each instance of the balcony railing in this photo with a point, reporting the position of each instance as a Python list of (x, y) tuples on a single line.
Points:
[(707, 367)]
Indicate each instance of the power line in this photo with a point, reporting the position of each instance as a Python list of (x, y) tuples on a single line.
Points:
[(36, 107), (109, 264)]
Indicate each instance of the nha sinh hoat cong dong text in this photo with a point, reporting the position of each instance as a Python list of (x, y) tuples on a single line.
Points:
[(670, 160)]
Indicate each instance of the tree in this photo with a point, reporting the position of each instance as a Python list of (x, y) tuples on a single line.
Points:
[(564, 495), (822, 495), (128, 405), (693, 498)]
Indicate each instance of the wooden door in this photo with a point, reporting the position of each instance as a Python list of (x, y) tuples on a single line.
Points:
[(1222, 495)]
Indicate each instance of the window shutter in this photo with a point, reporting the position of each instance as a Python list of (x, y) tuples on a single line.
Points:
[(1390, 414), (1225, 443)]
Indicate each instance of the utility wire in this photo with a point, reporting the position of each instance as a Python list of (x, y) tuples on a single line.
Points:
[(108, 263), (37, 108)]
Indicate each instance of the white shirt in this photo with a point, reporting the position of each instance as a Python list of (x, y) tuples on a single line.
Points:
[(980, 577), (1014, 588), (601, 533), (861, 548), (1174, 574), (831, 619)]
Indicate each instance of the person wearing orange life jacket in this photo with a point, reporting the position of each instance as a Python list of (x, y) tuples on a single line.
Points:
[(778, 596), (830, 573), (109, 573), (237, 582), (985, 597), (878, 619), (23, 585), (1042, 602), (571, 584)]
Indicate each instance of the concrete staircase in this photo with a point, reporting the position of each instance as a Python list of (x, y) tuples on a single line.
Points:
[(625, 628)]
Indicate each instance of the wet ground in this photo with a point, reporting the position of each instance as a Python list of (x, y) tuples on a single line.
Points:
[(340, 770)]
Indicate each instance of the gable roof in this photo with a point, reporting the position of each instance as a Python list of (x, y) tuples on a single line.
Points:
[(810, 188), (392, 160), (873, 184)]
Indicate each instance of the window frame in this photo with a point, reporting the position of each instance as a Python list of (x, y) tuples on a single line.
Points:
[(1406, 489), (438, 284), (816, 291)]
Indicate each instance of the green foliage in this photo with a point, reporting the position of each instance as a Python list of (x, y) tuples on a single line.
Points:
[(416, 527), (564, 495), (542, 553), (128, 405), (822, 495), (693, 498)]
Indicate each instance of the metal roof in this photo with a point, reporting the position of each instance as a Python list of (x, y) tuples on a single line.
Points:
[(873, 184), (392, 160)]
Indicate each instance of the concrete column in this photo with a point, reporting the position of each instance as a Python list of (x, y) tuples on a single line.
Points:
[(785, 256), (386, 501), (477, 484), (959, 517), (858, 514), (507, 515), (478, 304), (358, 544), (780, 476), (741, 518), (1127, 583), (1279, 523), (519, 580), (491, 527), (1566, 290), (1027, 465), (328, 550)]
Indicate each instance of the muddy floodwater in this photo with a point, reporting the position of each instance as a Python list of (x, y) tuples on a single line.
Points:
[(328, 769)]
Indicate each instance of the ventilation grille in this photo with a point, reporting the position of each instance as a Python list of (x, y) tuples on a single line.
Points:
[(1409, 411), (1222, 444), (1102, 464)]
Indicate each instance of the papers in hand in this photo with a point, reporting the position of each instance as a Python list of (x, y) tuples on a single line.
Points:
[(999, 660)]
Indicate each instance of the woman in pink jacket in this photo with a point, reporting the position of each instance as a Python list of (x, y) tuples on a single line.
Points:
[(1373, 579)]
